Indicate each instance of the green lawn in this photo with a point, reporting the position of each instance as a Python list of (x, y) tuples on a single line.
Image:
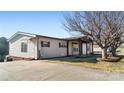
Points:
[(90, 62)]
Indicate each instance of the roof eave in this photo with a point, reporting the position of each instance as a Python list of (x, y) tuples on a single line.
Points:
[(21, 33)]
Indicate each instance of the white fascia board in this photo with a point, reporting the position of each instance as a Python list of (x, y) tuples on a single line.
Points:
[(21, 33)]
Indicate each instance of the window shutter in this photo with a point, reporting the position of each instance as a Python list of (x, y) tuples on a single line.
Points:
[(48, 44), (59, 44), (41, 43)]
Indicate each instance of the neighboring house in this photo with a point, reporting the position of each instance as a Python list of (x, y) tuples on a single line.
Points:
[(30, 46), (122, 42), (96, 48), (122, 45)]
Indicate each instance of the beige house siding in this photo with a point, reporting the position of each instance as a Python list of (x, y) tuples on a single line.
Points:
[(15, 47), (53, 50)]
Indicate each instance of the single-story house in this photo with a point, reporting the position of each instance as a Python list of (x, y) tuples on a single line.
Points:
[(31, 46)]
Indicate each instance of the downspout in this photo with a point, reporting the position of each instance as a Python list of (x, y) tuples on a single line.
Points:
[(37, 47)]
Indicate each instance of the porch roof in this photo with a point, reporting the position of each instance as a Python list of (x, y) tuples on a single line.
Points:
[(82, 38)]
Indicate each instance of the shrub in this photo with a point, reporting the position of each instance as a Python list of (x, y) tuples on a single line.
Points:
[(2, 58)]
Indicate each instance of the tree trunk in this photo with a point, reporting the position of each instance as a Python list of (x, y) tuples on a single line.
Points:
[(113, 52), (104, 53)]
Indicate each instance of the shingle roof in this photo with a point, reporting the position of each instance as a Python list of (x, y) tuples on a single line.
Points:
[(34, 35), (83, 38)]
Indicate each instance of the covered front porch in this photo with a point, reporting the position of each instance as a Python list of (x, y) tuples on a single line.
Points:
[(82, 46)]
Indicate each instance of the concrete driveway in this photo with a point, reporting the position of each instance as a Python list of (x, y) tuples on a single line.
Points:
[(43, 70)]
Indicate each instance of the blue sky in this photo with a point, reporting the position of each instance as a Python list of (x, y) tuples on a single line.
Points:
[(43, 23)]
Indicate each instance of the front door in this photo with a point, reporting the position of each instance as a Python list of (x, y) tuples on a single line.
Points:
[(75, 49), (84, 49)]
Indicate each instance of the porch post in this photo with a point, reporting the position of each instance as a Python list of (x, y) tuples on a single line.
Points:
[(67, 48), (92, 47), (86, 47), (80, 47)]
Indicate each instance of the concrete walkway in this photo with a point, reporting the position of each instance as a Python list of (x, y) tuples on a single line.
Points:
[(43, 70)]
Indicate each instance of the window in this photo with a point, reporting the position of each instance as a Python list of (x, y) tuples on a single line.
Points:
[(24, 47), (75, 49), (45, 44), (62, 44)]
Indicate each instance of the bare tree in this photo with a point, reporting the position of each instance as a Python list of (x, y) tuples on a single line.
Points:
[(116, 44), (103, 27)]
